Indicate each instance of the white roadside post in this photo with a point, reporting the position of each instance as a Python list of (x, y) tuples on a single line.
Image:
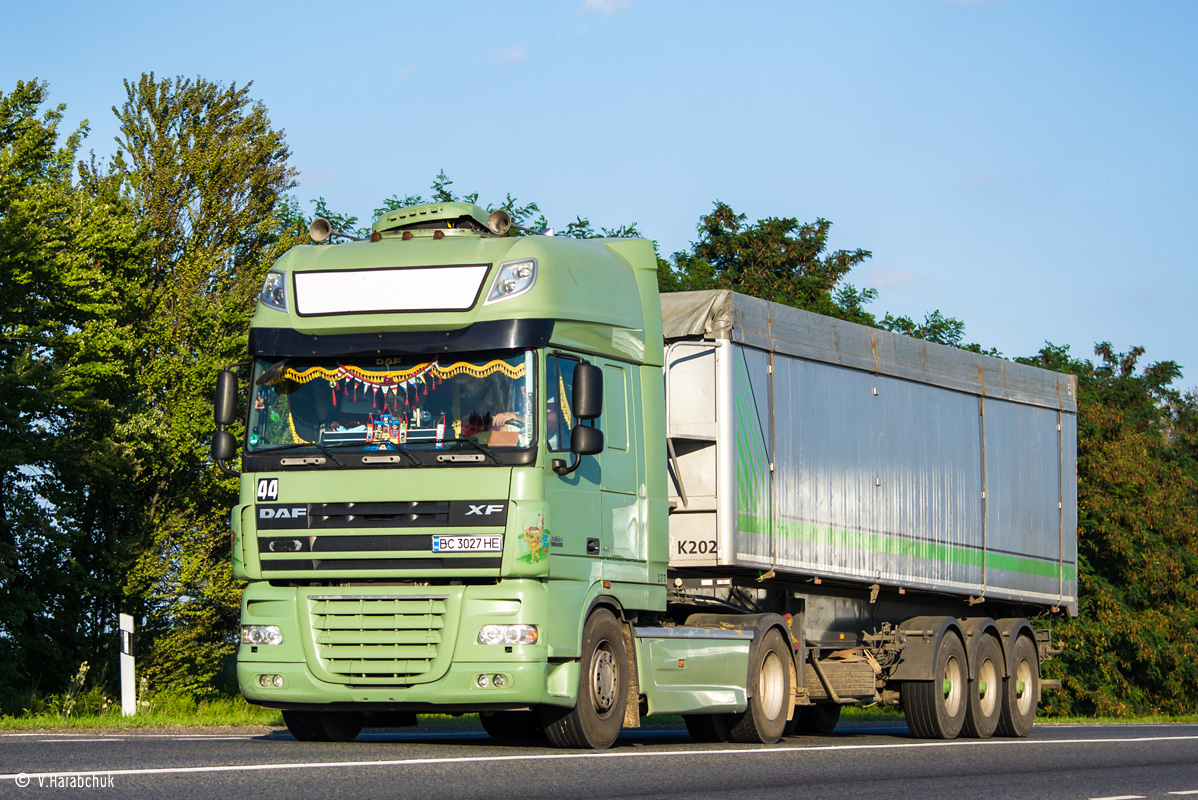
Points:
[(128, 687)]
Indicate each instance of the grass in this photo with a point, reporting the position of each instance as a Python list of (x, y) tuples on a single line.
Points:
[(174, 712), (1144, 720)]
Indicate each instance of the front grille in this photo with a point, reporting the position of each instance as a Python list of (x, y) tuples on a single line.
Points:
[(415, 514), (378, 640)]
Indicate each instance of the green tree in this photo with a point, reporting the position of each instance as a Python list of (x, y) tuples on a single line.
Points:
[(206, 175), (778, 259), (935, 328), (60, 248), (1134, 646)]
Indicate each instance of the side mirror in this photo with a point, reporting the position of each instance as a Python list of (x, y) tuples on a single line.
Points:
[(224, 406), (224, 446), (586, 441), (588, 393)]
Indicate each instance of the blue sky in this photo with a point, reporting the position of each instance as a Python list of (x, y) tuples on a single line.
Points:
[(1027, 167)]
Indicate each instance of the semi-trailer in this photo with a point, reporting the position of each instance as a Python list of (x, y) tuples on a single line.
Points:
[(502, 474)]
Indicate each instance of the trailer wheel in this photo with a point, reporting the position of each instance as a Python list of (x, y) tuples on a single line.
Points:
[(701, 727), (765, 718), (598, 716), (323, 726), (1021, 690), (513, 725), (985, 693), (935, 709), (820, 718)]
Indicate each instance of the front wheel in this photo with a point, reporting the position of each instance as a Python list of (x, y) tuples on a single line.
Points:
[(323, 726), (598, 716)]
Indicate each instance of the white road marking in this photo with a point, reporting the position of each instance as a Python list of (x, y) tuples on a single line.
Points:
[(76, 737), (765, 751), (1187, 791), (1121, 797)]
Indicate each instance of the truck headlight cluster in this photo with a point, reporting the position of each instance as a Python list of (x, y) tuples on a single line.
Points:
[(513, 278), (508, 634), (274, 291), (261, 634), (267, 681)]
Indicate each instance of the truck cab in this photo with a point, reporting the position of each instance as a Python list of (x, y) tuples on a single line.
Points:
[(444, 468)]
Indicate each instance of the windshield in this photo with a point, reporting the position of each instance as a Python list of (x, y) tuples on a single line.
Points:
[(378, 403)]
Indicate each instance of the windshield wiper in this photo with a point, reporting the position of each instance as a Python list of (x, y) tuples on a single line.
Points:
[(322, 448), (481, 447), (403, 450)]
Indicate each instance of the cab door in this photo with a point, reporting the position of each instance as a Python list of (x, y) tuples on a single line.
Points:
[(574, 499), (621, 535)]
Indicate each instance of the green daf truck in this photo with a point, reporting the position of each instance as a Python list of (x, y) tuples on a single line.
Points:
[(500, 474)]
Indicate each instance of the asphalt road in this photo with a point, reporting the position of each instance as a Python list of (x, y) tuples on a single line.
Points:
[(861, 760)]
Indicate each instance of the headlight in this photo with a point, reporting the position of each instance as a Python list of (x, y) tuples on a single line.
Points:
[(274, 291), (261, 634), (508, 634), (513, 278)]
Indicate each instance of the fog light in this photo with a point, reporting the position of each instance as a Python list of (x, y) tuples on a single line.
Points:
[(278, 681), (498, 681), (483, 681), (264, 681)]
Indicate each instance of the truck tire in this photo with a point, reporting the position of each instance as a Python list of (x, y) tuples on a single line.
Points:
[(936, 709), (323, 726), (1021, 690), (513, 725), (305, 726), (598, 716), (341, 726), (764, 720), (701, 727), (820, 718), (985, 692)]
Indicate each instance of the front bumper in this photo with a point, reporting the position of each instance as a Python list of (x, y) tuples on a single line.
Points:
[(320, 663), (525, 684)]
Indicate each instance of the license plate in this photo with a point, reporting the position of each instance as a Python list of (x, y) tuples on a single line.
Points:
[(467, 544)]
